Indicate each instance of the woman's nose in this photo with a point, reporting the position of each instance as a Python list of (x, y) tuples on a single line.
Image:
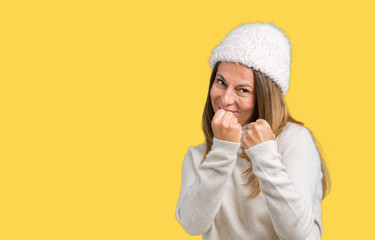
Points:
[(228, 97)]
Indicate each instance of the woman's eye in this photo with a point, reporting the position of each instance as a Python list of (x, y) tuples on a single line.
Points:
[(221, 82), (244, 90)]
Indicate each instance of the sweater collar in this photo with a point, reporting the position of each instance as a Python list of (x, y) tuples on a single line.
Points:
[(245, 127)]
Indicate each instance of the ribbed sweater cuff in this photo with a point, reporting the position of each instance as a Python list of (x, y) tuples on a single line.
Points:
[(260, 151), (225, 146)]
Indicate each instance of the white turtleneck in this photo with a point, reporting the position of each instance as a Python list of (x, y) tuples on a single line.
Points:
[(214, 203)]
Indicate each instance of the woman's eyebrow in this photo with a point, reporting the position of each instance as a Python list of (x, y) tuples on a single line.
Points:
[(245, 85), (241, 85), (222, 77)]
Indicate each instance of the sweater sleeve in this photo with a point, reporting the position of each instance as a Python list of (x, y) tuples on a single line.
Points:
[(289, 180), (203, 187)]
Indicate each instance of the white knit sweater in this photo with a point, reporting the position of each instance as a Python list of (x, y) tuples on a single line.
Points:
[(212, 201)]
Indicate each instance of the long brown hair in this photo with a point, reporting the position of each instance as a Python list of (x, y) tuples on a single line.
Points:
[(270, 105)]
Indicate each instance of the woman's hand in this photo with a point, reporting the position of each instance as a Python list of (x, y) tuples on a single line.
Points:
[(225, 126), (257, 132)]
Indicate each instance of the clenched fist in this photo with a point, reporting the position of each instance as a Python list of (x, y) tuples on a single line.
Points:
[(257, 132), (225, 126)]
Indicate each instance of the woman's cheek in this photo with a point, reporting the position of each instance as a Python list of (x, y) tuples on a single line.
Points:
[(213, 104)]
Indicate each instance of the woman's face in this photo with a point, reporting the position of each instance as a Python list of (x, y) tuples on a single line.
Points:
[(233, 90)]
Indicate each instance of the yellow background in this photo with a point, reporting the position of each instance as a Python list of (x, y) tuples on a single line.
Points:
[(100, 100)]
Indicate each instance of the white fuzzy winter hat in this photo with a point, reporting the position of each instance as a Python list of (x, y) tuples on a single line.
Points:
[(261, 46)]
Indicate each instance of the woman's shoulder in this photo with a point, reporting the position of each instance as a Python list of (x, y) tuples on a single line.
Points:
[(196, 153), (297, 146), (291, 127), (199, 149), (293, 132)]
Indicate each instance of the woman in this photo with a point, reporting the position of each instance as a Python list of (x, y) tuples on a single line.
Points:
[(259, 175)]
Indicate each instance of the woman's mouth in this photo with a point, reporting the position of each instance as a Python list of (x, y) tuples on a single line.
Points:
[(218, 108)]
